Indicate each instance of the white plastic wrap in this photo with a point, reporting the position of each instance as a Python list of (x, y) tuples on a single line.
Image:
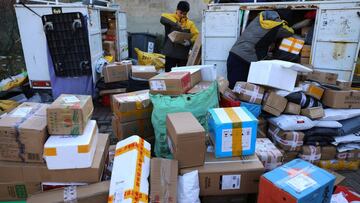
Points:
[(292, 122), (188, 188), (340, 114)]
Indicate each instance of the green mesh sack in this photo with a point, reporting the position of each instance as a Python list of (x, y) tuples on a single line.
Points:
[(198, 104)]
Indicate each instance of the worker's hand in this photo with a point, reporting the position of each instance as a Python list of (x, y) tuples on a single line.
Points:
[(186, 43)]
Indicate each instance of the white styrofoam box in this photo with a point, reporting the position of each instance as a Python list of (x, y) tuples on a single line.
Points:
[(131, 165), (208, 72), (275, 73), (72, 151)]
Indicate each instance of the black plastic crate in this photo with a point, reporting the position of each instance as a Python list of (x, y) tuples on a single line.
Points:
[(67, 38)]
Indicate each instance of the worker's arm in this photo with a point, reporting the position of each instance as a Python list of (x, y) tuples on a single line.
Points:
[(194, 31), (285, 31), (168, 19)]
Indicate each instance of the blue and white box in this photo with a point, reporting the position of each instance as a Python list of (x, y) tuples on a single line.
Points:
[(233, 131)]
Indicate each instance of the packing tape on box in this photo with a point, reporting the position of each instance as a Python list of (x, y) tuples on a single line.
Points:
[(294, 143), (137, 98), (342, 155), (339, 164), (70, 194), (17, 124), (134, 193), (291, 45), (315, 90), (298, 179), (314, 156), (264, 155), (253, 94), (236, 131)]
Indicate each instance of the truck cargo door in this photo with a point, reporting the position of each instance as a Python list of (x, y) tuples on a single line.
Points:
[(122, 35)]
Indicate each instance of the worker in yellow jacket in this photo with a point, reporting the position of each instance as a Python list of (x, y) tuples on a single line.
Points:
[(176, 54)]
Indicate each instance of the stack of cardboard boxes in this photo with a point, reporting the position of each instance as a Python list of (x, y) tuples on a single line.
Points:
[(74, 152)]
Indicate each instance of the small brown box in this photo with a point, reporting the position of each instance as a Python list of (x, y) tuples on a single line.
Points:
[(116, 72), (171, 83), (292, 108), (311, 153), (179, 37), (313, 113), (143, 72), (291, 141), (274, 104), (186, 138), (69, 114), (323, 77), (249, 92)]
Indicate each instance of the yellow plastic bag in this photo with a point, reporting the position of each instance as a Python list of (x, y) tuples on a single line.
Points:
[(7, 105), (14, 81), (144, 58)]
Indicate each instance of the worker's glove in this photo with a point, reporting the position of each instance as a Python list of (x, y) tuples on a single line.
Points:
[(186, 43)]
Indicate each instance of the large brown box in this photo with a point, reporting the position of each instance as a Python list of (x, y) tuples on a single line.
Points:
[(227, 176), (274, 104), (349, 99), (23, 133), (171, 83), (69, 114), (323, 77), (132, 106), (249, 92), (163, 180), (115, 72), (94, 193), (21, 172), (11, 191), (186, 138), (141, 127), (292, 108), (313, 113)]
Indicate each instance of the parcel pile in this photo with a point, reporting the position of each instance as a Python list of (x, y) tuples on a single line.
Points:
[(52, 146)]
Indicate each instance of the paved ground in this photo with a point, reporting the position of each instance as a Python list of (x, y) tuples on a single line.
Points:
[(103, 116)]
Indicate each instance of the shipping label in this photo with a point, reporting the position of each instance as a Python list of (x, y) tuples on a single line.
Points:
[(230, 182), (158, 85), (301, 182), (226, 139)]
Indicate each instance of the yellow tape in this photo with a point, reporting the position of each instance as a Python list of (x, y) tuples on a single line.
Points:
[(236, 131), (83, 149), (316, 91), (50, 151)]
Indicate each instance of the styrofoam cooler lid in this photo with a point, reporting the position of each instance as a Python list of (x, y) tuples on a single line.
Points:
[(286, 64)]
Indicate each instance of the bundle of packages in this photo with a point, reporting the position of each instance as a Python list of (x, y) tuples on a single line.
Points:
[(269, 155), (310, 153), (287, 140)]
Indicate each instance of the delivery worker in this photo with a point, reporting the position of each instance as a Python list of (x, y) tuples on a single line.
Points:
[(176, 54), (253, 44)]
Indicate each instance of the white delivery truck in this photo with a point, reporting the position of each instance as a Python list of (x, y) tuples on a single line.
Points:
[(30, 18), (335, 41)]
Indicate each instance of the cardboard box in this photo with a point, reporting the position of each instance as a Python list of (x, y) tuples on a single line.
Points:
[(310, 153), (130, 181), (195, 54), (179, 37), (233, 131), (274, 104), (313, 113), (115, 72), (141, 127), (195, 74), (328, 152), (269, 155), (186, 139), (18, 190), (286, 140), (112, 91), (203, 85), (304, 60), (143, 72), (132, 106), (171, 83), (163, 180), (230, 95), (227, 176), (67, 152), (275, 73), (296, 182), (323, 77), (69, 114), (343, 84), (314, 91), (291, 45), (23, 133), (292, 108), (34, 172), (46, 186), (94, 193), (306, 51), (262, 128), (249, 92), (289, 156), (349, 99), (109, 48)]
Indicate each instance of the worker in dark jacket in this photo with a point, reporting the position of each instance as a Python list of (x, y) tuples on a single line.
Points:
[(176, 54), (253, 44)]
